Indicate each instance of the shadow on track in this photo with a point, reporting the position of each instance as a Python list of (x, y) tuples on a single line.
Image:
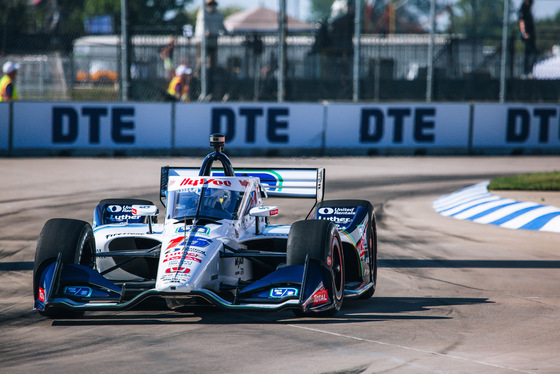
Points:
[(376, 309)]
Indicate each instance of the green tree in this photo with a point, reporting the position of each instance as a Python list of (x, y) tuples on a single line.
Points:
[(13, 16), (548, 33), (319, 9), (479, 18)]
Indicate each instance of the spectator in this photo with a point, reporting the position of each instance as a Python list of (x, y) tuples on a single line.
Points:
[(166, 54), (178, 89), (529, 37), (8, 90), (210, 25)]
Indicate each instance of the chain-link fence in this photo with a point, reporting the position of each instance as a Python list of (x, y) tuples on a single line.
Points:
[(397, 59)]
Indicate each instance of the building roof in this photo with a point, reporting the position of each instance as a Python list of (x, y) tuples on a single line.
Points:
[(261, 19)]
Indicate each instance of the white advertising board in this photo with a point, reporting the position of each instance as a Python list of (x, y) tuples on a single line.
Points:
[(397, 126), (516, 126), (4, 126), (94, 125), (250, 125)]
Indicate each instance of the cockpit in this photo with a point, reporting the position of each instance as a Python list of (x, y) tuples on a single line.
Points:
[(213, 198)]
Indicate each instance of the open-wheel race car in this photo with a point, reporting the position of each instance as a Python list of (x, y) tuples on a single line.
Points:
[(216, 245)]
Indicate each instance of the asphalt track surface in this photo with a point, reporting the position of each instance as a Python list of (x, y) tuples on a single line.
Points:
[(453, 296)]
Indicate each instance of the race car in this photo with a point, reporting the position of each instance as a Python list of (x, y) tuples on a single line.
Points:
[(216, 246)]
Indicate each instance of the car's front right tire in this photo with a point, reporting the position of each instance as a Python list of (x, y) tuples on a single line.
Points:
[(75, 241), (320, 240)]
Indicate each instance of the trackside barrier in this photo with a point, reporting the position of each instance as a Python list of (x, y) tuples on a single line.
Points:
[(284, 129), (4, 127)]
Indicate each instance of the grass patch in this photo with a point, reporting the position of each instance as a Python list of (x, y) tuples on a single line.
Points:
[(528, 182)]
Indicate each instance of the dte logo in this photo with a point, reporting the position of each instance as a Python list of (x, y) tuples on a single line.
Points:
[(373, 126), (224, 121), (66, 124), (519, 124)]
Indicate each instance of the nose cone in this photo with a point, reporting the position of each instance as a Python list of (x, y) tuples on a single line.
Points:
[(171, 287)]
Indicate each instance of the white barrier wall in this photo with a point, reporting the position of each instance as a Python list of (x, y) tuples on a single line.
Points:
[(397, 126), (71, 125), (4, 126), (438, 128), (250, 125), (514, 126)]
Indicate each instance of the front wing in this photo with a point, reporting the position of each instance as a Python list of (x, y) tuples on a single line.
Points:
[(76, 287)]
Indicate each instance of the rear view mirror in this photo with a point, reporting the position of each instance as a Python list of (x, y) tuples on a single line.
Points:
[(144, 210), (263, 211)]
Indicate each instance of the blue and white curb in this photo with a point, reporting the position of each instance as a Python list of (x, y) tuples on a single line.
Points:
[(476, 204)]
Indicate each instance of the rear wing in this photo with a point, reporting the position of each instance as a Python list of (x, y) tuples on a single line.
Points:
[(279, 182)]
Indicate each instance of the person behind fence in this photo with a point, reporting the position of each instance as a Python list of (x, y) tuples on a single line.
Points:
[(529, 37), (8, 91), (210, 25), (166, 54), (178, 89)]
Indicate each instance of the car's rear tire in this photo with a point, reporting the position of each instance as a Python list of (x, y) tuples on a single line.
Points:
[(320, 240), (75, 241), (372, 247)]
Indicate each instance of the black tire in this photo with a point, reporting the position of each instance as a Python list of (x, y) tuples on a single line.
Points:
[(74, 239), (371, 237), (319, 239)]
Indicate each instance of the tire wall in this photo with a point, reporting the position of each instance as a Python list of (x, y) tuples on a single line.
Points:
[(270, 129)]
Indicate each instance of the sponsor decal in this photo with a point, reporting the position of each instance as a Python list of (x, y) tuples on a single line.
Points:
[(521, 122), (66, 121), (169, 278), (181, 270), (271, 212), (193, 252), (373, 124), (188, 258), (42, 294), (195, 241), (121, 217), (78, 291), (119, 208), (204, 182), (341, 216), (321, 296), (282, 292), (341, 211), (363, 245), (125, 234), (337, 220), (196, 229), (227, 120)]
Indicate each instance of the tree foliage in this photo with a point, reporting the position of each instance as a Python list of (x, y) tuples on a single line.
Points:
[(319, 9), (479, 18)]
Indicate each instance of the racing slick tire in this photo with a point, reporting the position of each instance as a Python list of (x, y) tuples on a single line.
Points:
[(371, 236), (75, 241), (320, 240)]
